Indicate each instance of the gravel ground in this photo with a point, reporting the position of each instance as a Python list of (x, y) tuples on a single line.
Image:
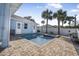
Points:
[(57, 47)]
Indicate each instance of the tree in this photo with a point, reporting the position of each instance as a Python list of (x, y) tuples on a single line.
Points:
[(63, 18), (75, 20), (70, 19), (60, 15), (48, 16), (43, 24)]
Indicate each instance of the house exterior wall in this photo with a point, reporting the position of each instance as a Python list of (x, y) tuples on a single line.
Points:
[(18, 30), (5, 16), (31, 26), (13, 24), (6, 10)]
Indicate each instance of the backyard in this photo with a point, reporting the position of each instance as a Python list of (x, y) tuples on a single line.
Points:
[(38, 32)]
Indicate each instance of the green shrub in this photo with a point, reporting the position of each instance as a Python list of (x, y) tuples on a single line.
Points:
[(38, 30), (51, 33)]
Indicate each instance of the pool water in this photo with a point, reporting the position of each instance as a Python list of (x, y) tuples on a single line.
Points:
[(37, 38)]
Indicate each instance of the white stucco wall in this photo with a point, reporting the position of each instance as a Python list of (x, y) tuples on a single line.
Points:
[(63, 31), (29, 28), (5, 16), (1, 19), (30, 25), (78, 33), (6, 10), (13, 24)]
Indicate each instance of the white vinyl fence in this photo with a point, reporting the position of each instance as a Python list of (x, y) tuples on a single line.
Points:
[(63, 31), (78, 33)]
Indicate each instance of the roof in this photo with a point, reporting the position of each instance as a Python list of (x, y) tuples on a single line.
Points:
[(29, 18), (19, 18)]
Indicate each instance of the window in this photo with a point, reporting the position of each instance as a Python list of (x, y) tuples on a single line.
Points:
[(25, 26), (19, 25)]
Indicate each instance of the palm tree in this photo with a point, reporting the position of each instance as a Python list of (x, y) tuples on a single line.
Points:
[(75, 20), (63, 18), (70, 19), (60, 15), (48, 16), (43, 24)]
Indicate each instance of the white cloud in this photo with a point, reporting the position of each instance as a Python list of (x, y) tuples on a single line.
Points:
[(55, 5), (78, 19), (78, 6), (74, 10), (77, 16), (39, 7)]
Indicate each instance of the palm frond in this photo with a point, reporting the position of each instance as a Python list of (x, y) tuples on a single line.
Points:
[(47, 14), (54, 15)]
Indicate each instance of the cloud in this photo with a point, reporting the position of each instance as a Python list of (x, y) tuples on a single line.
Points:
[(78, 6), (55, 5), (39, 7), (74, 10), (78, 19)]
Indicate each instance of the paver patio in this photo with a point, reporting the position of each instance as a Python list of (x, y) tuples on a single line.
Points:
[(57, 47)]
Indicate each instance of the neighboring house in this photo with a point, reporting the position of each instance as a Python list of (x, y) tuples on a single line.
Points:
[(22, 25)]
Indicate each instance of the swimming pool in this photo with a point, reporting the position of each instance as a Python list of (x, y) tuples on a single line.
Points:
[(37, 38)]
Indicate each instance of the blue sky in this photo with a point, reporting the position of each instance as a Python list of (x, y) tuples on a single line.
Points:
[(35, 10)]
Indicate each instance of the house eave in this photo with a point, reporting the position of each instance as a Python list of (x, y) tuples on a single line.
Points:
[(14, 7)]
